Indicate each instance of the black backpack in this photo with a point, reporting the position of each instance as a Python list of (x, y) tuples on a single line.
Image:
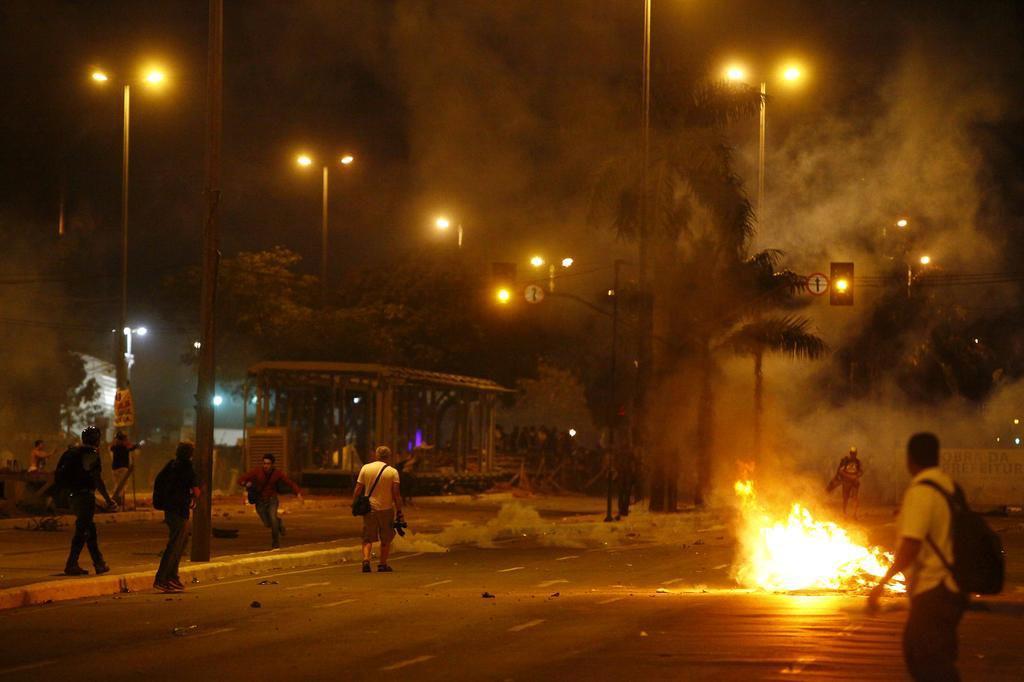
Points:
[(979, 563), (70, 474)]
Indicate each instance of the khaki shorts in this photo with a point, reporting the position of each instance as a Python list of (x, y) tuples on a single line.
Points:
[(377, 526)]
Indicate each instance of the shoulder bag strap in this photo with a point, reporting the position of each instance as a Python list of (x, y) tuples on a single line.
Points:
[(377, 480), (949, 503)]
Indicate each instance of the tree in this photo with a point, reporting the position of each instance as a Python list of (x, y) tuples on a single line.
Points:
[(700, 216)]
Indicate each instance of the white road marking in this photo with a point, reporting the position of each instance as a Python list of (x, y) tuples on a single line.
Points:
[(333, 603), (302, 587), (549, 583), (27, 666), (566, 558), (610, 601), (403, 664), (527, 624), (268, 575), (439, 582), (210, 633), (797, 667), (673, 581), (407, 556), (514, 568), (719, 567)]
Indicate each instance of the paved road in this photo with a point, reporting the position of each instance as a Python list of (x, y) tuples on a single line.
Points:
[(428, 621), (34, 556)]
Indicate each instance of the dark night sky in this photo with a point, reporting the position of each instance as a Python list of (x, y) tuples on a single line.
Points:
[(492, 111)]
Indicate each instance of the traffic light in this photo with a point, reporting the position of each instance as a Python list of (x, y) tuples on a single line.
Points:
[(503, 282), (841, 284)]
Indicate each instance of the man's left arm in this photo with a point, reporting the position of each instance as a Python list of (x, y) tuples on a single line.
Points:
[(905, 555)]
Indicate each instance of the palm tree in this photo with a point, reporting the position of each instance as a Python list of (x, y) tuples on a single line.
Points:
[(772, 289), (787, 335), (691, 174)]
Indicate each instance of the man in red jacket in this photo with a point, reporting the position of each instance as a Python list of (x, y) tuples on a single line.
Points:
[(263, 482)]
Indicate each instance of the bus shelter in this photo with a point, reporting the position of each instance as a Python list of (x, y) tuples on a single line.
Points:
[(323, 419)]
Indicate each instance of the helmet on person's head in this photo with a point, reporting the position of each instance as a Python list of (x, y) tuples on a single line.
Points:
[(91, 435), (120, 435), (853, 449)]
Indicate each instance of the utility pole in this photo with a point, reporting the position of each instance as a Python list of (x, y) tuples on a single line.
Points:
[(323, 242), (211, 253), (121, 362), (614, 412), (645, 349)]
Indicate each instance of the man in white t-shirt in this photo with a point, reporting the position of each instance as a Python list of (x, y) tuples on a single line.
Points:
[(381, 481), (936, 604)]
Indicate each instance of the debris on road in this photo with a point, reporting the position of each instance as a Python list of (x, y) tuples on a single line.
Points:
[(556, 594), (487, 595), (662, 590), (183, 631), (267, 582), (255, 605)]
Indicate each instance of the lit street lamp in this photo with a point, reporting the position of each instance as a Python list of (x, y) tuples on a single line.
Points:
[(305, 161), (443, 223), (791, 74), (152, 77), (129, 358)]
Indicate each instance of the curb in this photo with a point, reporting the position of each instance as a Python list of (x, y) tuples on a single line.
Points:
[(103, 518), (82, 588)]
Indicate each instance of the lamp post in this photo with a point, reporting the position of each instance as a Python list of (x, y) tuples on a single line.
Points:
[(128, 356), (791, 74), (153, 77), (305, 161), (442, 223)]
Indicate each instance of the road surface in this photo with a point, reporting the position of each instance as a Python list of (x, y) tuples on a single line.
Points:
[(557, 613)]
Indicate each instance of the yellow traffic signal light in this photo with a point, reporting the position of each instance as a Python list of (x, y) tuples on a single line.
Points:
[(503, 295), (841, 289)]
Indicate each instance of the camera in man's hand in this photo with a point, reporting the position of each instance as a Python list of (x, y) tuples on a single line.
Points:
[(400, 525)]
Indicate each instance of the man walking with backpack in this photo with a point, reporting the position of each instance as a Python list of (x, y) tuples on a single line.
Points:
[(174, 492), (380, 506), (79, 473), (945, 552), (262, 486)]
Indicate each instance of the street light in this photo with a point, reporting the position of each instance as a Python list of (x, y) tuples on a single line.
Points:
[(790, 73), (129, 358), (537, 261), (902, 222), (305, 161), (567, 262), (925, 260), (442, 223), (503, 295), (152, 77)]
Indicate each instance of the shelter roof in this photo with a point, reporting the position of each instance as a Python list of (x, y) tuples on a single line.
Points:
[(385, 373)]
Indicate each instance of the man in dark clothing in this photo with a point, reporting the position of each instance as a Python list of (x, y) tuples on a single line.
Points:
[(121, 464), (79, 472), (179, 488), (263, 482)]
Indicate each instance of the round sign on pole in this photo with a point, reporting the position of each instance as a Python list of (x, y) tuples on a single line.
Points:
[(817, 284), (533, 293)]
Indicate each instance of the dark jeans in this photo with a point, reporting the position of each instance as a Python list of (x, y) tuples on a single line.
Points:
[(178, 532), (929, 639), (267, 510), (83, 506)]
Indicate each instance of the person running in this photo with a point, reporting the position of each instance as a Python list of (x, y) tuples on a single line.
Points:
[(80, 473), (925, 540), (121, 464), (263, 482), (175, 490), (848, 475), (383, 486)]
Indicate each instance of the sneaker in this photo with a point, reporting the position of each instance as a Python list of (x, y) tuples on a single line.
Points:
[(366, 567), (384, 568), (102, 568), (176, 584), (275, 545), (165, 587), (75, 570)]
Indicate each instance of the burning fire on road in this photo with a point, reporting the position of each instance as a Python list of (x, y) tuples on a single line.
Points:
[(795, 552)]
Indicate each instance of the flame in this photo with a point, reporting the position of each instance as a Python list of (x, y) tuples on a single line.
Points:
[(799, 553)]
